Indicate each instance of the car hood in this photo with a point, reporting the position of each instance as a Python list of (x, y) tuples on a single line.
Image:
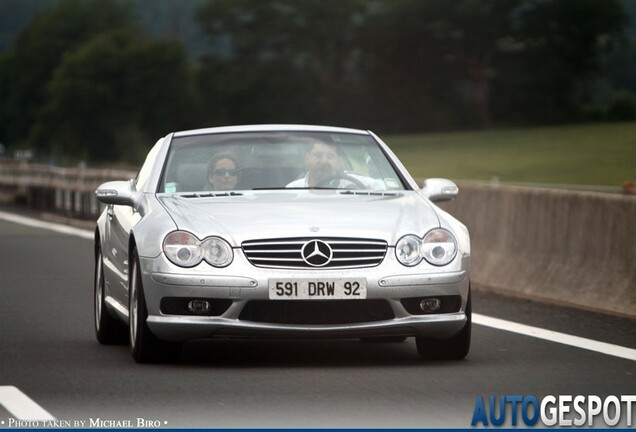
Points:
[(308, 213)]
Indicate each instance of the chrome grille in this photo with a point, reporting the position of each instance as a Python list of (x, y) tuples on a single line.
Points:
[(287, 253)]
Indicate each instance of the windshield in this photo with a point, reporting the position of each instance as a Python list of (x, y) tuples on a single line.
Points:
[(277, 160)]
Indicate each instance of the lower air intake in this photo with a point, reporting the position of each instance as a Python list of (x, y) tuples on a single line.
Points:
[(316, 312)]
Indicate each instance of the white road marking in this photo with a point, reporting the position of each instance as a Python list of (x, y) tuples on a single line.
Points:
[(562, 338), (20, 406), (64, 229), (537, 332)]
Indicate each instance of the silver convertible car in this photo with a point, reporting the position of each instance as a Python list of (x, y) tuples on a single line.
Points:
[(279, 231)]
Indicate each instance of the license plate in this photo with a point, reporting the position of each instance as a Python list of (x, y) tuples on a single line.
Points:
[(317, 289)]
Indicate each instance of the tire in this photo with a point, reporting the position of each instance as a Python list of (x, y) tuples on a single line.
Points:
[(455, 348), (108, 329), (144, 346)]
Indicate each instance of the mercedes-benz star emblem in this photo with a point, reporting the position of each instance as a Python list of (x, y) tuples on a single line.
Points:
[(316, 253)]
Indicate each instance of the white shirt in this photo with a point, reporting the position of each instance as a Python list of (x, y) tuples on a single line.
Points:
[(370, 183)]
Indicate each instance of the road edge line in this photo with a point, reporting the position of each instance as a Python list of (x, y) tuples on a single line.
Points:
[(553, 336), (35, 223), (21, 406)]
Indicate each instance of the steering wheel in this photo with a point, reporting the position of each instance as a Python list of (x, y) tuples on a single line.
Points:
[(325, 181)]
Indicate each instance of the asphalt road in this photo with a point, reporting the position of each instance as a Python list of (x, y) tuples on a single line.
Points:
[(48, 351)]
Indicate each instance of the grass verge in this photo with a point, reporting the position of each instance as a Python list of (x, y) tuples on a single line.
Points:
[(590, 154)]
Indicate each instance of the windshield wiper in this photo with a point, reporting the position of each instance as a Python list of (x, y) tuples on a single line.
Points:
[(269, 188), (296, 188)]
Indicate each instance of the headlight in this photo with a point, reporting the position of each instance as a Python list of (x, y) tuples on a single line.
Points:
[(408, 250), (183, 248), (186, 250), (439, 247), (217, 252)]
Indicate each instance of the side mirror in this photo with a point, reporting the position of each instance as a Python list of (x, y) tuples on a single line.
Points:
[(118, 193), (438, 189)]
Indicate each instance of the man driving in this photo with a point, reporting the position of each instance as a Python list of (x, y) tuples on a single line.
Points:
[(323, 163)]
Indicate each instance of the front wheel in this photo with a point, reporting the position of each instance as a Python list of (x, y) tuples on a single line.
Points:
[(144, 346), (108, 330), (455, 348)]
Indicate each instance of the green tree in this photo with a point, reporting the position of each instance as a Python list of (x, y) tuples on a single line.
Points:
[(471, 62), (407, 64), (432, 62), (113, 96), (284, 60), (41, 47), (562, 47)]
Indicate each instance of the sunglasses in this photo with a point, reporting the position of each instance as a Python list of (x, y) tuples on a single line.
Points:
[(223, 171)]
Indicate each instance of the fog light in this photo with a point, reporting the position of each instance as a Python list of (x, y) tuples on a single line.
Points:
[(200, 307), (430, 305)]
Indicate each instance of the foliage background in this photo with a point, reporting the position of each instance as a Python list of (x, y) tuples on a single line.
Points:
[(101, 80)]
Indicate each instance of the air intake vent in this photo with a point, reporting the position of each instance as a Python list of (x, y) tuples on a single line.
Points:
[(314, 253), (316, 312), (210, 194), (383, 194)]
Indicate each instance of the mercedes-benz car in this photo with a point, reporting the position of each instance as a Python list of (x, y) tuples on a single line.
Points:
[(279, 231)]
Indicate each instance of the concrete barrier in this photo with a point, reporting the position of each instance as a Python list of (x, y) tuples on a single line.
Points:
[(565, 247)]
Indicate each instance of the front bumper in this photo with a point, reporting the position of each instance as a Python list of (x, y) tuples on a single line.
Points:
[(241, 283)]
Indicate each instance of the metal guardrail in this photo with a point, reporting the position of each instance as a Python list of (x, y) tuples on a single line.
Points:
[(69, 191)]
